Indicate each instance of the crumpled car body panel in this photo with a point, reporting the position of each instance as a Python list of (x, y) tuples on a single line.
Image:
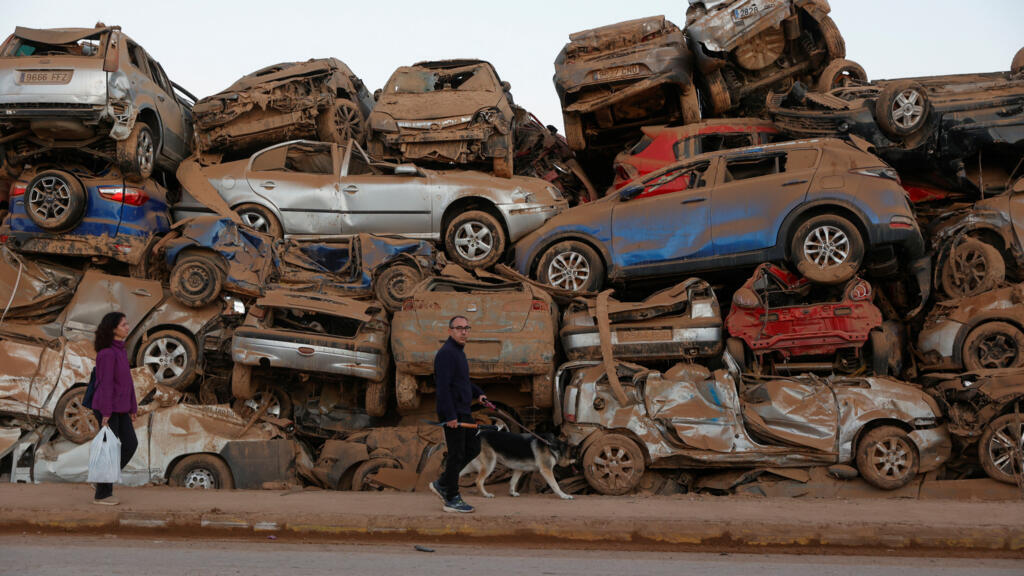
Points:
[(945, 330)]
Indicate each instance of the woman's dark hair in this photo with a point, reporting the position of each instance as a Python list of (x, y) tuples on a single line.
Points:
[(105, 331)]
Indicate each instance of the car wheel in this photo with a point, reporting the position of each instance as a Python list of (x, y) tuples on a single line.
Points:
[(260, 219), (242, 386), (718, 92), (613, 464), (761, 50), (171, 356), (972, 267), (993, 345), (541, 389), (202, 472), (362, 481), (136, 154), (834, 42), (407, 392), (574, 131), (827, 249), (689, 106), (737, 348), (198, 278), (395, 284), (840, 73), (474, 239), (887, 458), (55, 201), (376, 402), (74, 421), (1001, 449), (881, 349), (279, 404), (342, 123), (572, 266), (902, 109)]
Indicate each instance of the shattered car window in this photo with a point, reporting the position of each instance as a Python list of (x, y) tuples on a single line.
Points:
[(716, 142), (744, 168), (306, 321), (19, 47), (300, 157), (474, 78)]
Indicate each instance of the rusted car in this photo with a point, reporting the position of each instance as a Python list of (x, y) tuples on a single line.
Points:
[(664, 145), (318, 99), (72, 211), (93, 91), (321, 190), (333, 339), (404, 458), (778, 317), (689, 417), (512, 339), (745, 47), (683, 321), (541, 152), (614, 79), (974, 246), (985, 414), (449, 111), (975, 333)]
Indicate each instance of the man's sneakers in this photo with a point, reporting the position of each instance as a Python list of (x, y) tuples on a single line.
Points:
[(108, 501), (457, 504), (435, 487)]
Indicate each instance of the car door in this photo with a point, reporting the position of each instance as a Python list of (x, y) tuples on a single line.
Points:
[(666, 222), (99, 293), (172, 119), (384, 203), (755, 192), (300, 179)]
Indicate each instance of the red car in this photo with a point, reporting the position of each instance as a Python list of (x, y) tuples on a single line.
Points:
[(664, 145), (778, 316)]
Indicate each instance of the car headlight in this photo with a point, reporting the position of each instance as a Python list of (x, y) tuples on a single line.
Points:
[(434, 124), (383, 123)]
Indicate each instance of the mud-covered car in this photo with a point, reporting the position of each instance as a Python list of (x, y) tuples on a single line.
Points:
[(985, 415), (329, 338), (951, 124), (512, 338), (690, 418), (614, 79), (744, 47), (975, 333), (777, 317), (402, 458), (448, 111), (72, 211), (664, 145), (318, 99), (320, 190), (823, 204), (94, 91), (683, 321), (541, 152)]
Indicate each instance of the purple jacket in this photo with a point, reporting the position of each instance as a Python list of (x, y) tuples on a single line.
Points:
[(115, 391)]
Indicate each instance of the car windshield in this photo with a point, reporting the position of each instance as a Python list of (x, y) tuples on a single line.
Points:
[(19, 47), (420, 81)]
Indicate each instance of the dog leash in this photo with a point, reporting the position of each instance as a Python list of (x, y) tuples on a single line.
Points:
[(520, 424), (470, 425)]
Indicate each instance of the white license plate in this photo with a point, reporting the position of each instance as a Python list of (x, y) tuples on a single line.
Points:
[(620, 72), (44, 76)]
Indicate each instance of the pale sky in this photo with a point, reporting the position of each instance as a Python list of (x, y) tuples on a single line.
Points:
[(206, 45)]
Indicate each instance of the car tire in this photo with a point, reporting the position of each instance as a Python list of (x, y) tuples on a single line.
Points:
[(407, 392), (840, 73), (242, 387), (376, 401), (260, 219), (394, 285), (197, 278), (761, 50), (341, 123), (881, 350), (739, 351), (280, 403), (202, 471), (689, 105), (573, 266), (171, 356), (136, 154), (972, 267), (887, 458), (718, 95), (827, 249), (999, 450), (902, 109), (470, 232), (55, 201), (361, 477), (74, 421), (832, 38), (613, 464), (574, 132), (993, 345), (503, 166)]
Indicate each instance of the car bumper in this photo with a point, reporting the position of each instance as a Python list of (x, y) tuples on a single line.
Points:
[(522, 219), (252, 350), (643, 343)]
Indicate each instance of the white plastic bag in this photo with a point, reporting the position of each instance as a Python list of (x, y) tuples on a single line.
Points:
[(105, 457)]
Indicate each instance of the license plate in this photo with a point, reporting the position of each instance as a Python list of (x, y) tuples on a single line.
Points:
[(44, 76), (620, 72), (744, 11)]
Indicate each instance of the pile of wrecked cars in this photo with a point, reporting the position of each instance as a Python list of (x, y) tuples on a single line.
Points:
[(741, 256)]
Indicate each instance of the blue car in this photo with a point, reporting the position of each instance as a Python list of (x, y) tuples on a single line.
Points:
[(823, 204), (75, 212)]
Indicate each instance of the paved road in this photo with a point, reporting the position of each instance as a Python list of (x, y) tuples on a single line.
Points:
[(108, 555)]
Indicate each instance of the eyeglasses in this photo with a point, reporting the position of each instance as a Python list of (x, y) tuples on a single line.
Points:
[(461, 328)]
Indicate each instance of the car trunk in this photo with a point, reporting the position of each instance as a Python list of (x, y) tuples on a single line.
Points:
[(54, 66), (494, 314)]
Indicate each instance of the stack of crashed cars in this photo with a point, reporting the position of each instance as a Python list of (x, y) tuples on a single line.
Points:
[(743, 258)]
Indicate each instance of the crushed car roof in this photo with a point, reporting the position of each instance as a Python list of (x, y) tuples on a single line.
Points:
[(60, 35)]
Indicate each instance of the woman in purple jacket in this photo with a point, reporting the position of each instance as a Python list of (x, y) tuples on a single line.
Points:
[(114, 400)]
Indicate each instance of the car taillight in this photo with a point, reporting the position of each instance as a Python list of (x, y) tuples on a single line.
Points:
[(745, 298), (860, 291), (570, 417), (411, 304), (18, 189), (901, 222), (880, 172), (539, 306), (126, 194)]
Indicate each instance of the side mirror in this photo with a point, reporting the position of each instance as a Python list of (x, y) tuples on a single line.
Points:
[(407, 170), (376, 94), (630, 193)]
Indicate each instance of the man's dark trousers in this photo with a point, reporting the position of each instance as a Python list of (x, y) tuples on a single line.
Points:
[(463, 446)]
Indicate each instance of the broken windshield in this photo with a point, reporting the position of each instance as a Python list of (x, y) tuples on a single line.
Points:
[(419, 81)]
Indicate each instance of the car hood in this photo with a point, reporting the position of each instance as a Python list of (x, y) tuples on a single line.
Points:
[(436, 104)]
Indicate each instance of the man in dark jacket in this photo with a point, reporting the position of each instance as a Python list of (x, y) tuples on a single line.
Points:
[(455, 394)]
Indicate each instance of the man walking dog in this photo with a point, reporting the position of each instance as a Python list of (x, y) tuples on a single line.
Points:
[(455, 394)]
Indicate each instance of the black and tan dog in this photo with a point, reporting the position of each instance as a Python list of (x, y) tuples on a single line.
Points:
[(520, 453)]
